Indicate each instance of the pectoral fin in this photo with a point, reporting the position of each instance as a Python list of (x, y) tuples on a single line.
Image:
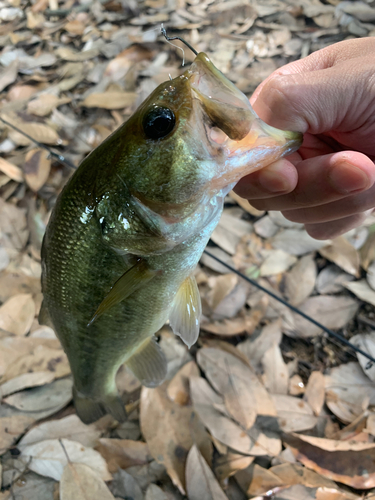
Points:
[(149, 364), (134, 278), (186, 312)]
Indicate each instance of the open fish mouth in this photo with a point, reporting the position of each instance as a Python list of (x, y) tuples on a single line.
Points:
[(247, 142)]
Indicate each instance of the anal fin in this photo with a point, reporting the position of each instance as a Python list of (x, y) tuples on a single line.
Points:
[(130, 281), (149, 363), (186, 312)]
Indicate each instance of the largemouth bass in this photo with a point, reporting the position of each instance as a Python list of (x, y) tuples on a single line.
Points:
[(129, 227)]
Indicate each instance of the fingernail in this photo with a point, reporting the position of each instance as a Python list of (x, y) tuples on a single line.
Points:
[(273, 180), (346, 178)]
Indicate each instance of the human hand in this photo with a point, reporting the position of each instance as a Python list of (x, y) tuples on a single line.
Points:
[(329, 184)]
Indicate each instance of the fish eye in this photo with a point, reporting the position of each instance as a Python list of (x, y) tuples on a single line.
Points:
[(159, 122)]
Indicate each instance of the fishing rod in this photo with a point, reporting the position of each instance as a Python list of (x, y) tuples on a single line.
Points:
[(331, 333)]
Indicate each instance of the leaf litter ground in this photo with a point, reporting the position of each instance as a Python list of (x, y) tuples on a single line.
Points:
[(264, 406)]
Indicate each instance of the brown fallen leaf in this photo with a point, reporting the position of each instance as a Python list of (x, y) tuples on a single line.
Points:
[(68, 55), (109, 100), (275, 371), (49, 458), (230, 463), (343, 254), (348, 391), (276, 262), (294, 414), (38, 131), (170, 430), (155, 493), (80, 482), (9, 75), (300, 281), (37, 167), (350, 463), (367, 344), (45, 104), (47, 399), (123, 453), (333, 312), (178, 388), (11, 428), (201, 483), (243, 393), (41, 358), (25, 381), (229, 232), (17, 314), (362, 290), (12, 171), (69, 427), (211, 410), (315, 392)]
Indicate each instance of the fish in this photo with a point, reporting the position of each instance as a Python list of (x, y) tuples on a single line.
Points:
[(130, 225)]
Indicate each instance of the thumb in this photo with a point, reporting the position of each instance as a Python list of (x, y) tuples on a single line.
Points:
[(314, 101)]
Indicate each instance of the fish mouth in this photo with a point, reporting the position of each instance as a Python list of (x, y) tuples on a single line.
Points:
[(245, 141)]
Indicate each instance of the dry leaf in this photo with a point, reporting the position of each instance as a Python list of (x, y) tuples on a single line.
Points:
[(343, 254), (294, 414), (367, 344), (348, 391), (25, 381), (110, 100), (350, 463), (44, 104), (68, 55), (276, 375), (170, 430), (11, 428), (256, 346), (124, 485), (296, 242), (276, 262), (332, 312), (229, 232), (212, 412), (315, 391), (230, 463), (243, 393), (332, 280), (41, 358), (48, 458), (362, 290), (155, 493), (80, 482), (9, 75), (300, 281), (36, 168), (201, 483), (178, 388), (69, 427), (123, 453), (17, 314), (48, 398), (12, 171), (246, 205), (38, 131)]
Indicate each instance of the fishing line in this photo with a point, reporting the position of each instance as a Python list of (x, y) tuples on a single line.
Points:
[(60, 158), (331, 333), (169, 38)]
